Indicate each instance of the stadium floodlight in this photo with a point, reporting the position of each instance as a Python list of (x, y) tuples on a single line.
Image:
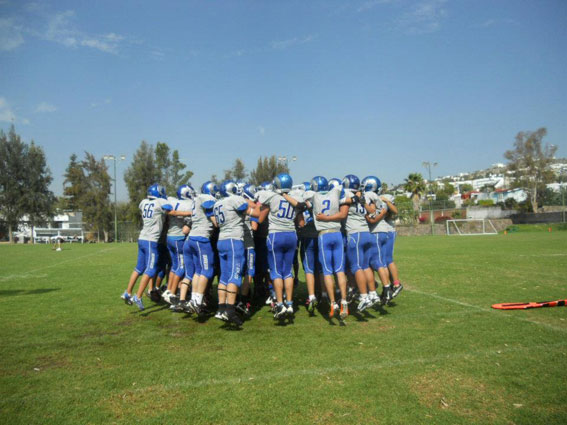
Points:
[(114, 158)]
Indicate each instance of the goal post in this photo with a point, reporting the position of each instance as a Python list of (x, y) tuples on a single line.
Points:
[(470, 227)]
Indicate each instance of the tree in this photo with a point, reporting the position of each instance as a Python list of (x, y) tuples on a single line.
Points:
[(416, 186), (87, 188), (24, 181), (95, 200), (530, 162), (39, 201), (73, 185), (237, 172), (467, 187), (13, 153), (141, 174), (267, 169), (150, 166)]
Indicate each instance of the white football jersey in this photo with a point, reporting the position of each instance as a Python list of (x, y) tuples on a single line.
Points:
[(201, 224), (281, 217), (176, 223), (230, 213), (356, 220), (327, 203), (153, 216), (374, 198)]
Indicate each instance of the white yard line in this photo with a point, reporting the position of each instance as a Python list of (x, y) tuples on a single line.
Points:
[(488, 310)]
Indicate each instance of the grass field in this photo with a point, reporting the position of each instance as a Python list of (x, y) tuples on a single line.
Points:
[(73, 353)]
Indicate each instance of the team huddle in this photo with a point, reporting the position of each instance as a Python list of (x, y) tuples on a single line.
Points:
[(250, 236)]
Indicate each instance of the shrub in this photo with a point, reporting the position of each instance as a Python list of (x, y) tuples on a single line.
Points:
[(422, 219), (486, 203)]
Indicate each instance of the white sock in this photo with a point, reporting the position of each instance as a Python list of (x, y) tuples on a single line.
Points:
[(198, 298), (373, 294), (311, 297)]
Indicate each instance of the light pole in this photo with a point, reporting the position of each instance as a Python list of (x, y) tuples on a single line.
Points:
[(114, 158), (428, 166), (285, 160)]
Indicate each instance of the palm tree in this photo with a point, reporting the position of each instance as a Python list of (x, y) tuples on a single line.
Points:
[(416, 186)]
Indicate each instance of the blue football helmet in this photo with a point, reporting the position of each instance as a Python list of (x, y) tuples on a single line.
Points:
[(266, 186), (209, 188), (249, 192), (371, 184), (334, 182), (307, 185), (283, 182), (319, 184), (156, 190), (228, 187), (350, 181), (185, 191)]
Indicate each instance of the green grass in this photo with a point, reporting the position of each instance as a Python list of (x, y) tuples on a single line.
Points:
[(72, 352)]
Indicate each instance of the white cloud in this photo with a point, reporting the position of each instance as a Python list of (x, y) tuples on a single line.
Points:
[(285, 44), (106, 101), (45, 107), (425, 17), (493, 22), (61, 29), (8, 115), (10, 35), (261, 130)]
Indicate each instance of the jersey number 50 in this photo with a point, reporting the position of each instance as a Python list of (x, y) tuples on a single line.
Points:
[(285, 210)]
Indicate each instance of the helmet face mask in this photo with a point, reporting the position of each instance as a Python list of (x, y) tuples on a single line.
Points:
[(249, 192), (266, 186), (228, 187), (283, 182), (185, 191), (334, 182), (319, 184), (350, 181), (156, 190)]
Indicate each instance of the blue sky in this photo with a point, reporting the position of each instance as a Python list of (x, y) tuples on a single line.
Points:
[(365, 87)]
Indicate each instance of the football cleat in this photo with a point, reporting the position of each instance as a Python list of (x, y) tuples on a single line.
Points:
[(386, 295), (244, 308), (344, 310), (232, 317), (221, 316), (280, 311), (397, 290), (194, 307), (127, 298), (334, 310), (138, 302), (311, 304), (364, 304), (177, 308), (289, 309)]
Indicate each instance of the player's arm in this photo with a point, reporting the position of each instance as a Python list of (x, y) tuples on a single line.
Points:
[(264, 210), (375, 218), (301, 206), (391, 206), (186, 229), (180, 213), (300, 220), (254, 223), (341, 215)]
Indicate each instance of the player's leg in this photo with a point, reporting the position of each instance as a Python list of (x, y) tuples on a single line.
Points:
[(289, 250), (149, 272), (326, 261), (138, 270)]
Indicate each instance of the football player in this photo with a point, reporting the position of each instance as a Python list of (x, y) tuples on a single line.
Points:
[(282, 241), (328, 215), (230, 212), (250, 225), (176, 235), (376, 211), (359, 241), (153, 209), (200, 247)]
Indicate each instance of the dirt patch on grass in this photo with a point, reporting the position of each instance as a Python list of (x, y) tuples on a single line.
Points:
[(51, 362), (149, 401), (460, 394)]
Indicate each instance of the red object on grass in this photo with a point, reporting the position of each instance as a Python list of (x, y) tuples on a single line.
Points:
[(524, 306)]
